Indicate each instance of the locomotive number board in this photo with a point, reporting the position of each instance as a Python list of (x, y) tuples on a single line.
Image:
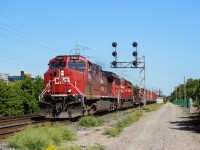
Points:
[(59, 58), (74, 57)]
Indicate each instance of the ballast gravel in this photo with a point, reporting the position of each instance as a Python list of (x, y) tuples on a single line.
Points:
[(164, 129)]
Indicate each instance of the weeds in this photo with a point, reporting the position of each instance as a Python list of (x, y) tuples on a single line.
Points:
[(129, 119), (90, 121), (96, 147), (42, 137), (152, 107)]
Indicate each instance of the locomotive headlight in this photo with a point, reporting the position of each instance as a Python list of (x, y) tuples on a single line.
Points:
[(62, 73), (69, 91)]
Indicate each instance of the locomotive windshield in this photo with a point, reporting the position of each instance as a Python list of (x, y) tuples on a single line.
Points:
[(54, 65), (77, 65)]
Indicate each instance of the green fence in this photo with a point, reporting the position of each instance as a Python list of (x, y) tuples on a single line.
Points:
[(182, 102)]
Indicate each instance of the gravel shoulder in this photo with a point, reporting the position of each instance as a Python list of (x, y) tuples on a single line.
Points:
[(166, 128)]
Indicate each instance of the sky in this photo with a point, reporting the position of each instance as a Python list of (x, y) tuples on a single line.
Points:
[(167, 32)]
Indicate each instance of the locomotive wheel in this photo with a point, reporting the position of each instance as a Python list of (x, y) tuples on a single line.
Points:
[(90, 110), (69, 111), (114, 106)]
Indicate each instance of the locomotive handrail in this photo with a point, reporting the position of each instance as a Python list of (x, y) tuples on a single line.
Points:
[(75, 87), (44, 91), (48, 85)]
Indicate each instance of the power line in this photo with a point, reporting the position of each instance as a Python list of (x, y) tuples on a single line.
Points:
[(35, 32), (21, 43), (20, 60), (31, 57), (23, 65), (25, 38)]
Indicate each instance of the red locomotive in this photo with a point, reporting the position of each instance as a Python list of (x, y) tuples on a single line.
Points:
[(75, 86)]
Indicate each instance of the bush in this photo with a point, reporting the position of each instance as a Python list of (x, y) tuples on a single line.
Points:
[(20, 97), (42, 137), (129, 119), (90, 121), (152, 107)]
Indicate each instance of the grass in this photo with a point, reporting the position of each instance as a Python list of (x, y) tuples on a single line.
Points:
[(90, 121), (126, 121), (129, 118), (41, 138), (152, 107), (96, 147)]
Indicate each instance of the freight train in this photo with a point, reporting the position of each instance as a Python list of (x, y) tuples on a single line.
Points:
[(74, 86)]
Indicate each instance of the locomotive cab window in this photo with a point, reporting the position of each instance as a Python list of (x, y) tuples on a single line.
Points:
[(77, 65), (117, 81), (97, 70), (55, 65), (89, 67)]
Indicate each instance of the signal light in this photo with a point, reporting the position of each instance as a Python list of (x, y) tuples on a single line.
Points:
[(135, 53), (114, 44), (134, 63), (114, 54), (134, 44), (114, 63)]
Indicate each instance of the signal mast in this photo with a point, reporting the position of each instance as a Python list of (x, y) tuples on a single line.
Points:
[(137, 63)]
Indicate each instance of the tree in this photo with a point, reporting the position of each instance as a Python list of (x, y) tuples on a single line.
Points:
[(192, 91), (38, 86), (20, 97)]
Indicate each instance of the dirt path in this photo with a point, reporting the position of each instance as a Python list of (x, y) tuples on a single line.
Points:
[(165, 129)]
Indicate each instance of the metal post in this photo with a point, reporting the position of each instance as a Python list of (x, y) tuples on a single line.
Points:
[(184, 89), (137, 63), (145, 101), (179, 91), (191, 105)]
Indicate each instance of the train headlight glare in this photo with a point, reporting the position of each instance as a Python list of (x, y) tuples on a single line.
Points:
[(69, 91), (62, 73)]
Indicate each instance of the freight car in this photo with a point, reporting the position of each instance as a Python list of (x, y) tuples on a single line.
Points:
[(75, 86)]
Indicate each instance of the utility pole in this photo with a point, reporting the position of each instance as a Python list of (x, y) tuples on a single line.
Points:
[(137, 63), (184, 89), (179, 91)]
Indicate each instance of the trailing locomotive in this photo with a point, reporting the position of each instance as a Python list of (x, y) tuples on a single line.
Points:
[(75, 86)]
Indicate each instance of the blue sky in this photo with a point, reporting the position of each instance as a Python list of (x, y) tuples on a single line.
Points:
[(32, 32)]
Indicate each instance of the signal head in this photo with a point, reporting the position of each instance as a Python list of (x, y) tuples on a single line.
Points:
[(114, 63), (135, 53), (134, 44), (114, 44), (114, 54), (134, 63)]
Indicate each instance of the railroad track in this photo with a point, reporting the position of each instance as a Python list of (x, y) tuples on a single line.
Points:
[(12, 124)]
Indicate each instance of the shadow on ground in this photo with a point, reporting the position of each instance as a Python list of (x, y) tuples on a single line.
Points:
[(190, 123)]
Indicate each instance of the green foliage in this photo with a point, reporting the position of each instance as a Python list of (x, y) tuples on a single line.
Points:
[(38, 85), (41, 138), (19, 97), (113, 132), (192, 91), (152, 107), (90, 121), (126, 121), (96, 147)]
